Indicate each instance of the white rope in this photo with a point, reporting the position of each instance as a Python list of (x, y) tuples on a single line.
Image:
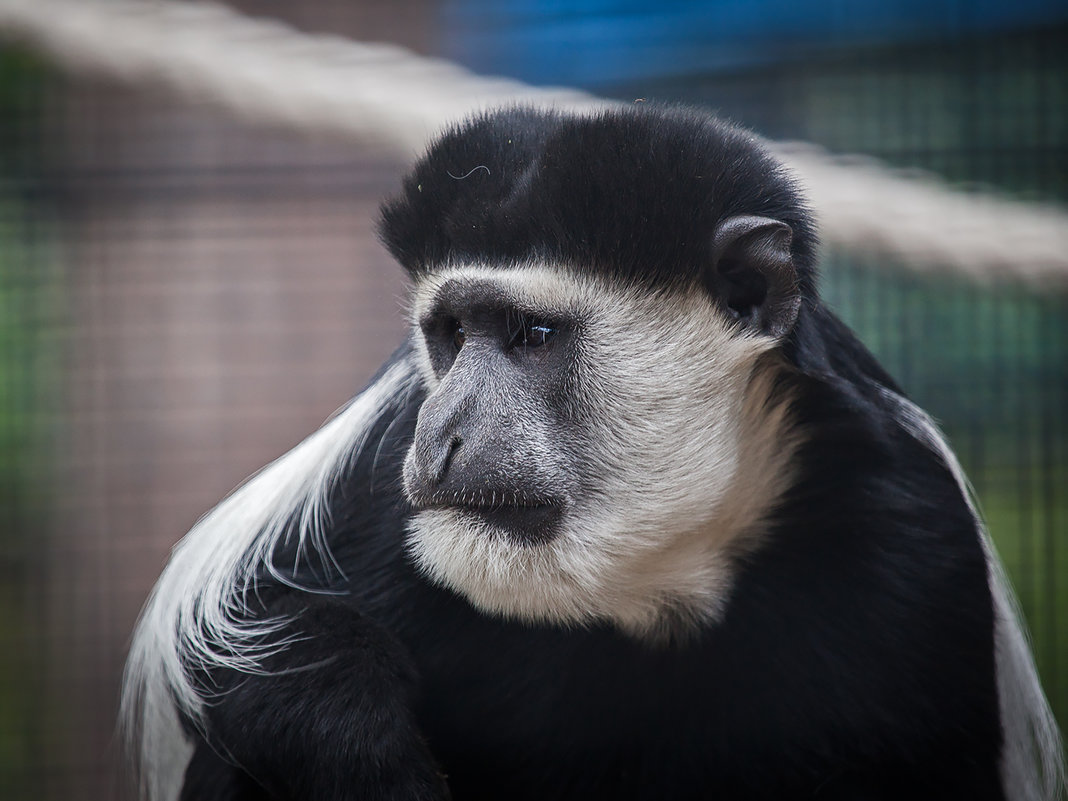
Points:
[(864, 207), (266, 71), (270, 73)]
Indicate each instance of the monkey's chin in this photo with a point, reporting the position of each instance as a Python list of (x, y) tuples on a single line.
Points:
[(504, 564)]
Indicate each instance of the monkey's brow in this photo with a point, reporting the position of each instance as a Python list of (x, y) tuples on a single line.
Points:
[(487, 297)]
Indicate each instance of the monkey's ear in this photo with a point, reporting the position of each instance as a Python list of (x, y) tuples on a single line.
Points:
[(753, 275)]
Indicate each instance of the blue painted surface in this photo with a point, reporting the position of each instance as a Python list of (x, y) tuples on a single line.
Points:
[(595, 42)]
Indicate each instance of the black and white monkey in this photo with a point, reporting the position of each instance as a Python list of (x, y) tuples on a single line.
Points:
[(631, 515)]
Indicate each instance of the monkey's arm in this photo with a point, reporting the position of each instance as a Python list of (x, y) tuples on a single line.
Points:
[(330, 718)]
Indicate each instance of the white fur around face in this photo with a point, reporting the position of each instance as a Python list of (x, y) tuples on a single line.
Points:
[(686, 456)]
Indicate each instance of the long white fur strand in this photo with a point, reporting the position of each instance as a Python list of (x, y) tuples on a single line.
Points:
[(193, 615)]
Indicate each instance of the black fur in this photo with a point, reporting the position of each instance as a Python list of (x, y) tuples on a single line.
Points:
[(855, 660), (635, 193)]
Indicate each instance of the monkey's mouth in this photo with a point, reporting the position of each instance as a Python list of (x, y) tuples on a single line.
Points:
[(529, 521)]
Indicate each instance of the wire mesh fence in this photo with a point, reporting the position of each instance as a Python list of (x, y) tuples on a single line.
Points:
[(989, 362), (183, 297)]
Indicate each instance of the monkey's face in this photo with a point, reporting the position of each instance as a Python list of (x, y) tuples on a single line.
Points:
[(579, 453)]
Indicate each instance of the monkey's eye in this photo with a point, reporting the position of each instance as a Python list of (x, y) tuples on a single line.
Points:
[(459, 336), (530, 332)]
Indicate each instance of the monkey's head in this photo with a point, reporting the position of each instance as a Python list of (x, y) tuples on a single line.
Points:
[(597, 306)]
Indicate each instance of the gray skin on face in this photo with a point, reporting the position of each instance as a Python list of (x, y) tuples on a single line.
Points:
[(492, 440)]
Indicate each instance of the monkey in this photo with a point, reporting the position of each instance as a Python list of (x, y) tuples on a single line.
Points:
[(629, 515)]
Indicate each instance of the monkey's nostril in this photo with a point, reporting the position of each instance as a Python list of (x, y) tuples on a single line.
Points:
[(438, 473), (454, 445)]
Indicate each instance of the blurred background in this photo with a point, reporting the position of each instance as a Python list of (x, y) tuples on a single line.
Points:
[(184, 296)]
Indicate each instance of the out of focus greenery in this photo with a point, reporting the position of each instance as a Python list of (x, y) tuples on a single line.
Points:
[(31, 323)]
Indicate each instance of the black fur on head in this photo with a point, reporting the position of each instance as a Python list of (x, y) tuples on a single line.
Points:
[(635, 192)]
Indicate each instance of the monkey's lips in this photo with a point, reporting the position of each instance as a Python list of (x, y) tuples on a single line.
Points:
[(527, 520)]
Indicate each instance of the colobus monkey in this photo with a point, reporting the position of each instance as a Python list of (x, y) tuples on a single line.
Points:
[(631, 515)]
